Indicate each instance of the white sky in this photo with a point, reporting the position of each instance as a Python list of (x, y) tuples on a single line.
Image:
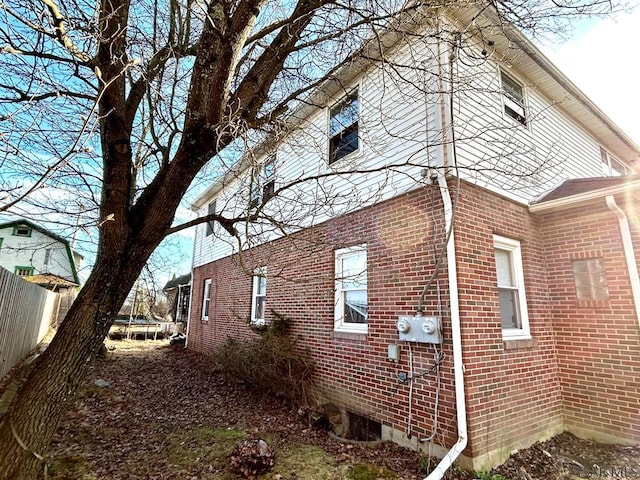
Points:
[(602, 59)]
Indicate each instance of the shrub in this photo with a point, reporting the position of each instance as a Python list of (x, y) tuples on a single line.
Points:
[(269, 364)]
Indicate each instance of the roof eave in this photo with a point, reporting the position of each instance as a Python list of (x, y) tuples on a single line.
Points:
[(581, 198)]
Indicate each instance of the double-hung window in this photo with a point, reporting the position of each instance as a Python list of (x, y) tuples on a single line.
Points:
[(612, 166), (264, 183), (513, 98), (343, 127), (259, 296), (206, 299), (510, 277), (351, 309), (211, 210)]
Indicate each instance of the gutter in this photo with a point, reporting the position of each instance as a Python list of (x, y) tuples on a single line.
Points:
[(568, 202), (629, 254)]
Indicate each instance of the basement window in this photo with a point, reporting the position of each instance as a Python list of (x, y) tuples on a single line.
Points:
[(590, 279)]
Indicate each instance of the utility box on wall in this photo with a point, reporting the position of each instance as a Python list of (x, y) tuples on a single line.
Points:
[(420, 329)]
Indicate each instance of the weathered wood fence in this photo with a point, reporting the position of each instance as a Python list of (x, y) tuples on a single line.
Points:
[(26, 311)]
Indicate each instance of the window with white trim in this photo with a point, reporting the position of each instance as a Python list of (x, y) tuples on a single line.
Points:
[(343, 127), (259, 296), (264, 183), (211, 210), (22, 231), (510, 283), (351, 309), (590, 279), (612, 166), (513, 99), (206, 299)]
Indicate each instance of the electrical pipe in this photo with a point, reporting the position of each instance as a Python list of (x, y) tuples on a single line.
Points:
[(456, 338), (629, 254)]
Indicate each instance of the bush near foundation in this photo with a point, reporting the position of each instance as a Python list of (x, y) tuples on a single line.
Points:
[(269, 364)]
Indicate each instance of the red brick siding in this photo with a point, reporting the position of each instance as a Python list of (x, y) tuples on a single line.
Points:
[(352, 369), (513, 395), (573, 370), (598, 343)]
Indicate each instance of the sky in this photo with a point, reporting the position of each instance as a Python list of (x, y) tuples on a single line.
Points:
[(601, 58)]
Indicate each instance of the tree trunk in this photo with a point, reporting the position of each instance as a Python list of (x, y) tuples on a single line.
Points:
[(50, 386)]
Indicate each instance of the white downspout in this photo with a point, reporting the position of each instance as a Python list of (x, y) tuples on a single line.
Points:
[(629, 254), (456, 338)]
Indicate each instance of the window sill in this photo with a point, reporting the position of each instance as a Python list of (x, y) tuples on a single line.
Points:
[(349, 156), (518, 343), (346, 335)]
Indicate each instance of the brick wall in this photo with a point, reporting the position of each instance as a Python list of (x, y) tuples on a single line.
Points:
[(353, 369), (513, 390), (580, 369), (598, 342)]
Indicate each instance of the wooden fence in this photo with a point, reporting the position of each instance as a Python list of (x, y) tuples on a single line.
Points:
[(26, 311)]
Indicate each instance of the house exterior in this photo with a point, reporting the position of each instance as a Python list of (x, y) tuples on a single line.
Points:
[(178, 292), (457, 247), (39, 255)]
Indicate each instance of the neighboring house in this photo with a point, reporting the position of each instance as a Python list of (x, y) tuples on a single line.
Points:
[(178, 292), (528, 320), (39, 255)]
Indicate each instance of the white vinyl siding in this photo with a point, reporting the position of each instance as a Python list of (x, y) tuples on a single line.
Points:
[(400, 120), (40, 251), (397, 121)]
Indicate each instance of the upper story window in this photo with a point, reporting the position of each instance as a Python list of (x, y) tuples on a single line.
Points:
[(24, 271), (259, 296), (612, 166), (264, 183), (22, 231), (206, 299), (351, 310), (510, 276), (343, 127), (211, 210), (590, 279), (513, 98)]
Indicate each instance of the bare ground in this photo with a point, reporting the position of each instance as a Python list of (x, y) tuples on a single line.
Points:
[(166, 413)]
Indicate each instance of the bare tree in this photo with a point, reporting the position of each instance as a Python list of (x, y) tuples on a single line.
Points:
[(109, 112)]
